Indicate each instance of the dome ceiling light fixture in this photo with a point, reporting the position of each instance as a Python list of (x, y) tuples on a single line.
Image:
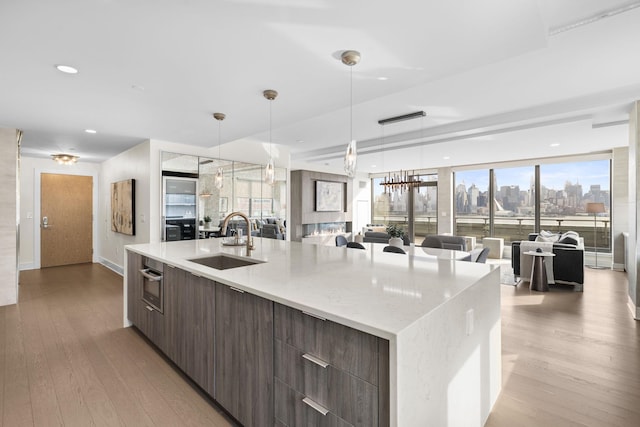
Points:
[(351, 58), (218, 180), (269, 170), (65, 159)]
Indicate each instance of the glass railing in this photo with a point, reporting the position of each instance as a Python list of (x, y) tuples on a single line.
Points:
[(513, 229)]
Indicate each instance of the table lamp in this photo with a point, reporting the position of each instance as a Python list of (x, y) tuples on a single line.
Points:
[(595, 209)]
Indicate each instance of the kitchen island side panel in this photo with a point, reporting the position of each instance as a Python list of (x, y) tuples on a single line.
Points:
[(446, 367)]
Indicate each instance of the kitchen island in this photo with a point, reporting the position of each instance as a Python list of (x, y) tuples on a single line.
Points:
[(415, 338)]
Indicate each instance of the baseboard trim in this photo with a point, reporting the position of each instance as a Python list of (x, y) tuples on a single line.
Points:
[(635, 311), (618, 267), (111, 266), (27, 266)]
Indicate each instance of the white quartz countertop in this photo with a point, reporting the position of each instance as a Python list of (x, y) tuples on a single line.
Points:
[(370, 290)]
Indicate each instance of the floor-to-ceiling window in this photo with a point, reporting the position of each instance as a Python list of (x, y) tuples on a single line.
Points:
[(414, 207), (471, 203), (501, 202), (514, 203), (566, 189)]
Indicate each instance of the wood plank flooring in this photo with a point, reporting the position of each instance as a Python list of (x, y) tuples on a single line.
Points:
[(65, 359), (569, 359)]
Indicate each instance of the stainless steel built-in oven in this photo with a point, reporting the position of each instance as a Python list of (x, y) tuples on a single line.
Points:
[(152, 287)]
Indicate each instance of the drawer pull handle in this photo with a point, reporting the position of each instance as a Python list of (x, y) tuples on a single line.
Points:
[(315, 360), (316, 406), (148, 307), (236, 289), (314, 315)]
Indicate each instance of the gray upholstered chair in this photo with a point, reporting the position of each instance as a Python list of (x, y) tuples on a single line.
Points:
[(341, 240), (444, 242), (477, 255)]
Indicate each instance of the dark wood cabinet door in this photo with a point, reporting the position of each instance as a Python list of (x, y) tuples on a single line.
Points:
[(149, 321), (190, 324), (244, 356), (134, 285)]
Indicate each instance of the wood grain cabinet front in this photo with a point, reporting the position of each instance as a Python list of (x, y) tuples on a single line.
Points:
[(333, 369), (244, 356), (190, 324), (148, 320)]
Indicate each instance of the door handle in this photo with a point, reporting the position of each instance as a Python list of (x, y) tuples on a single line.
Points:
[(45, 222)]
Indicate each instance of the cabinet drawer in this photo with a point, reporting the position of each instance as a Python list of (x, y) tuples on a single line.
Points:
[(342, 347), (343, 394), (292, 411)]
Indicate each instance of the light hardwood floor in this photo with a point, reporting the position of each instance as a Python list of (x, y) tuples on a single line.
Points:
[(569, 359), (66, 360)]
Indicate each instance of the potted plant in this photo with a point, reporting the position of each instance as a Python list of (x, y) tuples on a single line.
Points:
[(207, 221), (396, 233)]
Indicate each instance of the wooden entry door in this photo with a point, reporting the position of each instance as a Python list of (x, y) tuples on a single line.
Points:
[(66, 235)]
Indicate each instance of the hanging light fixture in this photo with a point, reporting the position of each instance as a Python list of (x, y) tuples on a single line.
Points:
[(351, 58), (218, 180), (403, 180), (270, 170), (65, 159)]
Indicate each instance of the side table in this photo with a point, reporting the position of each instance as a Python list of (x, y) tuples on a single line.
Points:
[(538, 280)]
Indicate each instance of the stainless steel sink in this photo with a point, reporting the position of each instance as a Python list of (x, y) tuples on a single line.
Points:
[(224, 262)]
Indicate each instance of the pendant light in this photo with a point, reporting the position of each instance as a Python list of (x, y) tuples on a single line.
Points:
[(218, 180), (351, 58), (270, 170)]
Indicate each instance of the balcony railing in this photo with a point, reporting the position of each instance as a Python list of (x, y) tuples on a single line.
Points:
[(513, 229)]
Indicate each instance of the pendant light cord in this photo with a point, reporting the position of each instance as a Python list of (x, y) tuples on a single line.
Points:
[(351, 108), (270, 126), (219, 141)]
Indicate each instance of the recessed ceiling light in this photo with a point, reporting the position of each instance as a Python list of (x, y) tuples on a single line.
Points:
[(300, 141), (67, 69), (383, 78), (374, 166), (90, 131), (555, 144), (446, 157)]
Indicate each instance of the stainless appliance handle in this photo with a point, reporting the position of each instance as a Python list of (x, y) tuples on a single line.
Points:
[(153, 278)]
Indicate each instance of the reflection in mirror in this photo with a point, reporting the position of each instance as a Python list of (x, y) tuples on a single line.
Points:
[(243, 190), (180, 163), (214, 203)]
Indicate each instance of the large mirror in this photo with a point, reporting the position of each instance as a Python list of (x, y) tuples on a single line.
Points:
[(193, 206)]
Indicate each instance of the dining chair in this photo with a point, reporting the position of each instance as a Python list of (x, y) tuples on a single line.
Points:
[(341, 240), (355, 245), (394, 249)]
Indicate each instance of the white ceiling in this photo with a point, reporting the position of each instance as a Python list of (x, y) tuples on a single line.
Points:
[(498, 79)]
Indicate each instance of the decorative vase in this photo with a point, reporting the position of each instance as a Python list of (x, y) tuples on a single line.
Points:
[(396, 241), (207, 224)]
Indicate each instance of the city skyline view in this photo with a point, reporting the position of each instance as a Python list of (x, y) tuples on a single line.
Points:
[(552, 176)]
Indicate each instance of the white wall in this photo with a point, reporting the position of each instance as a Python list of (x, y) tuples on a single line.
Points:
[(361, 203), (619, 204), (8, 216), (134, 163), (445, 201), (141, 163), (30, 171)]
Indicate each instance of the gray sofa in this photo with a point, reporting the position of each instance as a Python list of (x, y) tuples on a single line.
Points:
[(444, 242), (568, 263), (378, 237)]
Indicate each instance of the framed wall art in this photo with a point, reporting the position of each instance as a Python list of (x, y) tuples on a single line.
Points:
[(329, 196), (123, 213)]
